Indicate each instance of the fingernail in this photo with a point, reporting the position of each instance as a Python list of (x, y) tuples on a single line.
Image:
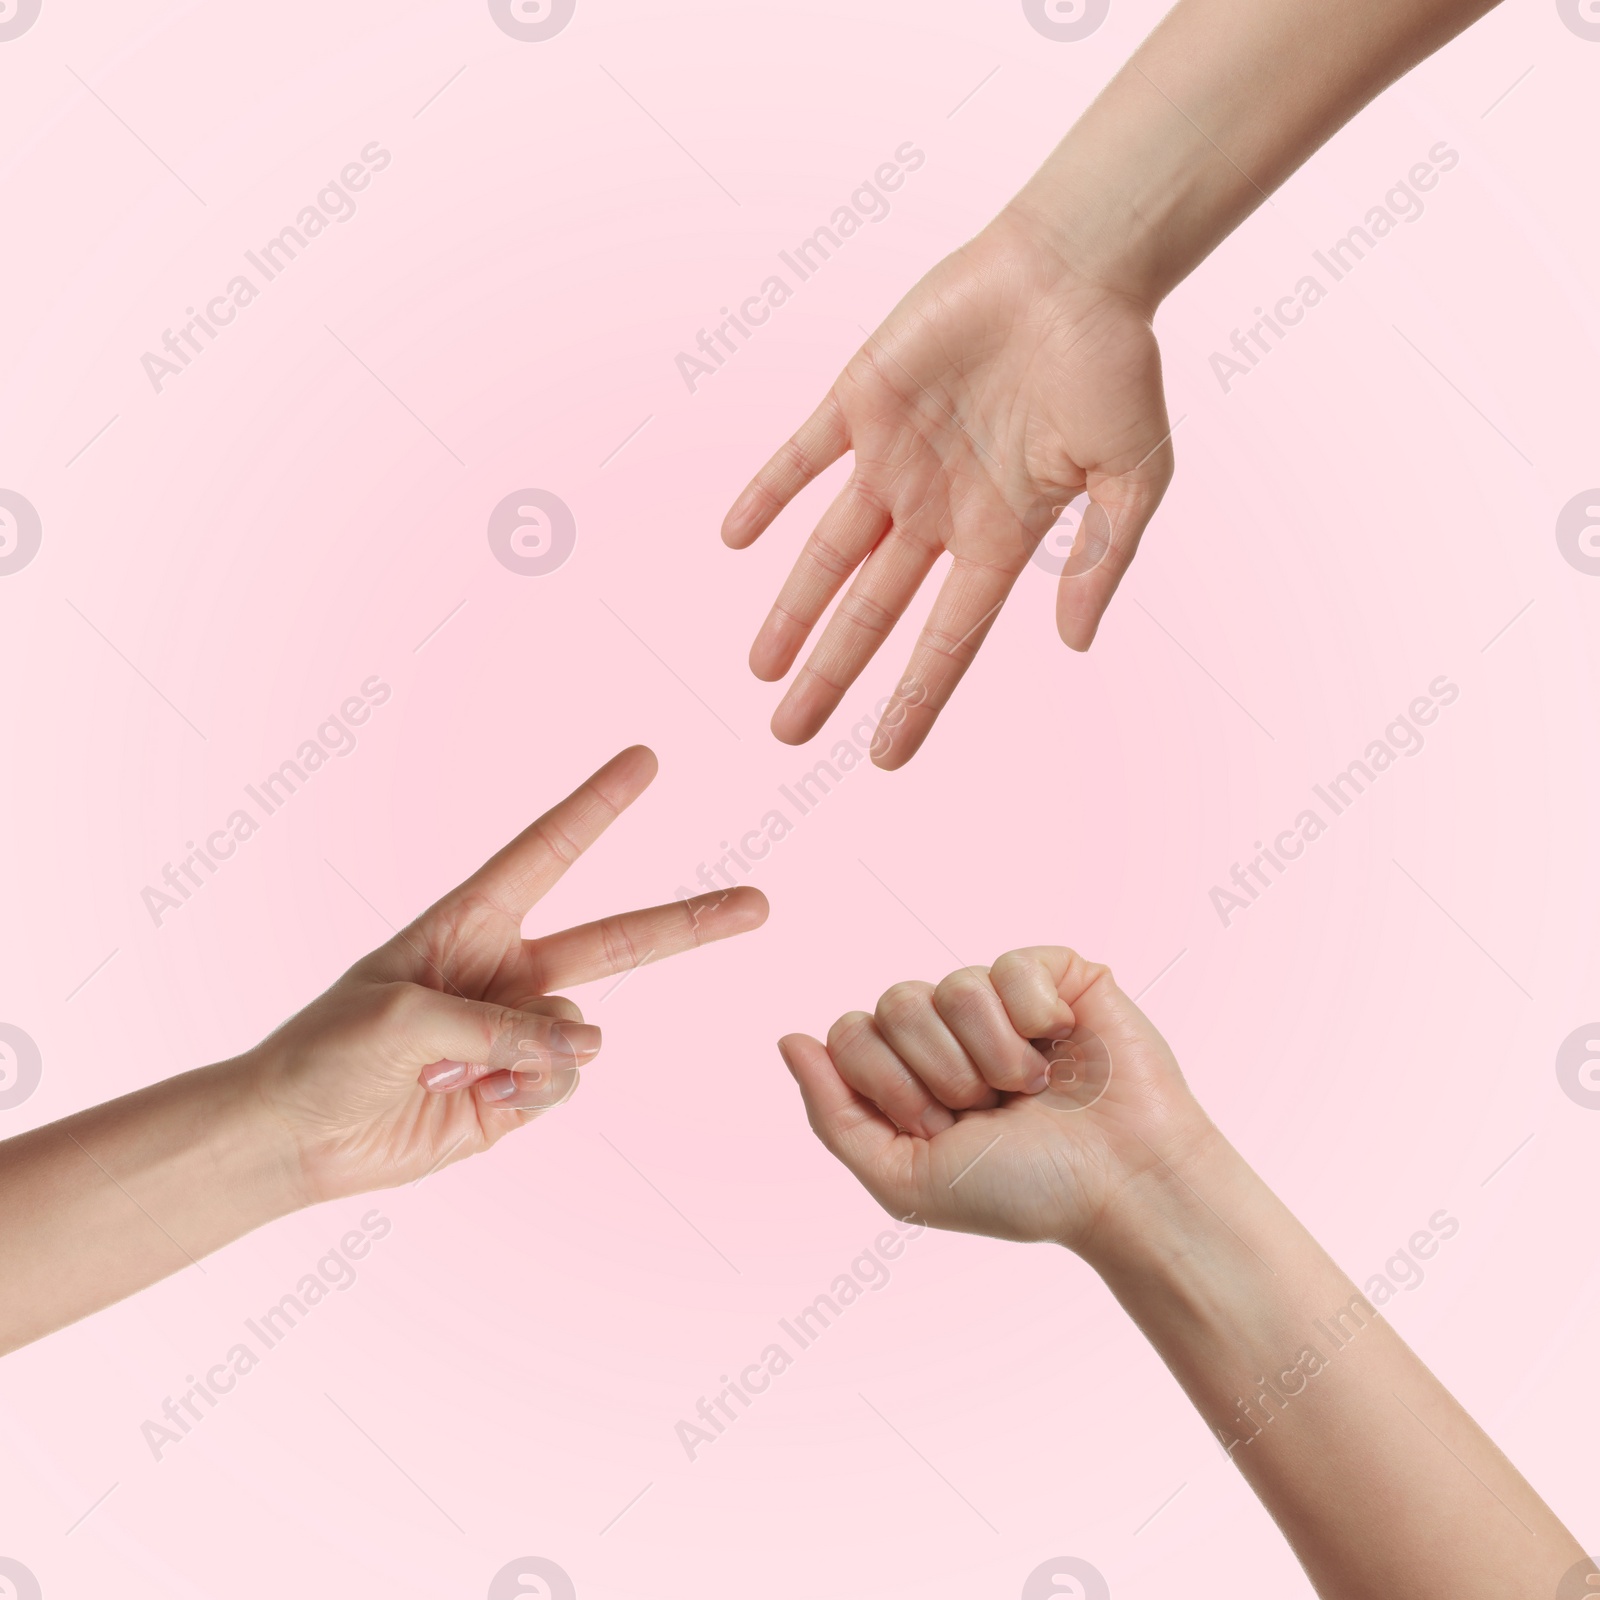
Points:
[(935, 1120), (444, 1075), (1038, 1081), (497, 1088), (783, 1051), (578, 1039)]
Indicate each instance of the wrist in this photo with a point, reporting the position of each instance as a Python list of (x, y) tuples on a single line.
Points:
[(1136, 195), (257, 1144), (1185, 1197), (1090, 241)]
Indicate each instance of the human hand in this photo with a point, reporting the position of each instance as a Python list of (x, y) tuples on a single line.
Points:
[(1018, 1100), (1002, 387), (448, 1037)]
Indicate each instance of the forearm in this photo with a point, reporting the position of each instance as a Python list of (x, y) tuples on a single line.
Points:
[(100, 1204), (1383, 1485), (1217, 107)]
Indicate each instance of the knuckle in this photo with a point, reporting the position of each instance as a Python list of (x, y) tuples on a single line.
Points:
[(962, 994), (1098, 975), (832, 560), (556, 842), (866, 614), (397, 1005), (967, 1092), (551, 1005), (902, 1004), (1007, 965), (812, 672), (962, 986), (617, 943), (787, 612), (1005, 1069), (851, 1031), (792, 456)]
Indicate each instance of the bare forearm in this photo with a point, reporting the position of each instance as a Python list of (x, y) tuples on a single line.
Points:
[(100, 1204), (1217, 107), (1383, 1485)]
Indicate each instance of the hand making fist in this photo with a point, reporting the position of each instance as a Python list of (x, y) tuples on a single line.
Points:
[(1018, 1100)]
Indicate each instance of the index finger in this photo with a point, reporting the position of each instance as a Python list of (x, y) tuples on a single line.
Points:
[(1048, 990), (819, 441), (526, 870)]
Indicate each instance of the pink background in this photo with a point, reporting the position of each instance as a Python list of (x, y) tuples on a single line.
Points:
[(1347, 524)]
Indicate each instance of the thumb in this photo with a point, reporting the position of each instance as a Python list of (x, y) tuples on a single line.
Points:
[(1107, 540), (849, 1125)]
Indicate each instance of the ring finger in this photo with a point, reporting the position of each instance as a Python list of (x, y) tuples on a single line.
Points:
[(918, 1035)]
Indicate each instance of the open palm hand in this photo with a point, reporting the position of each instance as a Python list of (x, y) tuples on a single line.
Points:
[(999, 390)]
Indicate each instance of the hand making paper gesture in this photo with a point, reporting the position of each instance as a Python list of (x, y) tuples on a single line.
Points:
[(1001, 388), (1022, 372)]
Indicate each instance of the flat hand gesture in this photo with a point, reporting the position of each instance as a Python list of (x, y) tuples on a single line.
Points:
[(999, 390), (450, 1036)]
